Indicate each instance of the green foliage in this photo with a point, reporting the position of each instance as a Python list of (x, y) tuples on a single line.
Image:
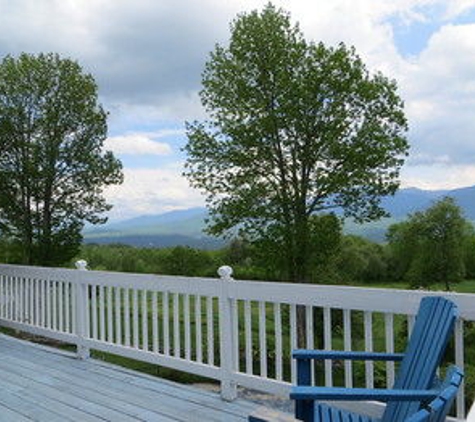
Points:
[(295, 129), (174, 261), (429, 246), (52, 167), (469, 253), (361, 260), (187, 261)]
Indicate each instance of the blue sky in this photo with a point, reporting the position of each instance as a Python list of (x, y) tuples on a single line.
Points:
[(147, 57)]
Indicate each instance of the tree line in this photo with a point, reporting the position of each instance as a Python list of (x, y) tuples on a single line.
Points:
[(434, 248)]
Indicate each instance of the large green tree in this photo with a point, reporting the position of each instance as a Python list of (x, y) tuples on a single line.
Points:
[(430, 247), (53, 167), (295, 129)]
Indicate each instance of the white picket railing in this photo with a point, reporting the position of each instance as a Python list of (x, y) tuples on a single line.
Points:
[(237, 332)]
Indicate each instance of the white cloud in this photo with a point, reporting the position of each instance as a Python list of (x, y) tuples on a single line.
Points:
[(438, 176), (439, 88), (147, 57), (140, 143), (150, 191), (456, 8)]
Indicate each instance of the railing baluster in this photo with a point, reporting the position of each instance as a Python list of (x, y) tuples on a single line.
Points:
[(186, 310), (309, 327), (278, 341), (155, 340), (327, 344), (135, 317), (389, 333), (176, 325), (37, 303), (94, 311), (26, 295), (31, 306), (166, 323), (198, 330), (17, 303), (309, 336), (248, 335), (293, 341), (210, 329), (262, 339), (67, 307), (369, 365), (21, 296), (74, 289), (55, 305), (411, 319), (118, 316), (110, 334), (127, 317), (235, 331), (347, 346), (48, 304), (102, 313), (10, 298), (61, 306), (144, 320)]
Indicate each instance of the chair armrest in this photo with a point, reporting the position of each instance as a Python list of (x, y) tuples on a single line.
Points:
[(353, 394), (342, 355)]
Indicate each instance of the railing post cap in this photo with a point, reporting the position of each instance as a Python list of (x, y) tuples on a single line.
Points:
[(81, 264), (225, 271)]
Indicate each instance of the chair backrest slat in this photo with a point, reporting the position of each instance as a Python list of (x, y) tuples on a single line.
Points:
[(432, 330)]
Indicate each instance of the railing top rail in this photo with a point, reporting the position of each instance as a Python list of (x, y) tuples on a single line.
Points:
[(341, 297), (178, 284), (348, 297)]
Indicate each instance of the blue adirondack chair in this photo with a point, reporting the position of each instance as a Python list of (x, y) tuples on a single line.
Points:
[(415, 383), (435, 411)]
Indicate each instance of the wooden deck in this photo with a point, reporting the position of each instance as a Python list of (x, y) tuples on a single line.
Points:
[(38, 383)]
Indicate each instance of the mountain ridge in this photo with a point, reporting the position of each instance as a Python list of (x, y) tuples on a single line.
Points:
[(185, 227)]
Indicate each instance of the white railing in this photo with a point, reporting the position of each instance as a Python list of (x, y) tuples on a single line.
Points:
[(237, 332)]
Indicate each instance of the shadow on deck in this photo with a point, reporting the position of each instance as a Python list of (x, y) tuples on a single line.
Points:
[(44, 384)]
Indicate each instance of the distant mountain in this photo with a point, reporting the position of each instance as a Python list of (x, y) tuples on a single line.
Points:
[(185, 227), (160, 241), (409, 200), (188, 222)]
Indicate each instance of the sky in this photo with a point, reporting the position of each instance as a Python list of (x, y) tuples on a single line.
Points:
[(147, 57)]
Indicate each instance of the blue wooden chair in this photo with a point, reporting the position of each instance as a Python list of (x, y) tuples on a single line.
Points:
[(416, 382), (435, 411)]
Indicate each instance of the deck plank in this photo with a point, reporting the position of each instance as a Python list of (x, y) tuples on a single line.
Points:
[(113, 394), (72, 387), (56, 385), (8, 415)]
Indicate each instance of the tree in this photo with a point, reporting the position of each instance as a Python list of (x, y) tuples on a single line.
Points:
[(430, 245), (361, 260), (53, 167), (295, 129)]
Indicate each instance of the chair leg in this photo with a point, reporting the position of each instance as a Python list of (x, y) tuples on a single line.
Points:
[(304, 409)]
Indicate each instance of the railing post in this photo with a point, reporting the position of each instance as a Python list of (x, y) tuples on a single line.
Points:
[(227, 336), (81, 301)]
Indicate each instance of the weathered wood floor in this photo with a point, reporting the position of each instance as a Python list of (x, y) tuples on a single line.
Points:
[(42, 384)]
